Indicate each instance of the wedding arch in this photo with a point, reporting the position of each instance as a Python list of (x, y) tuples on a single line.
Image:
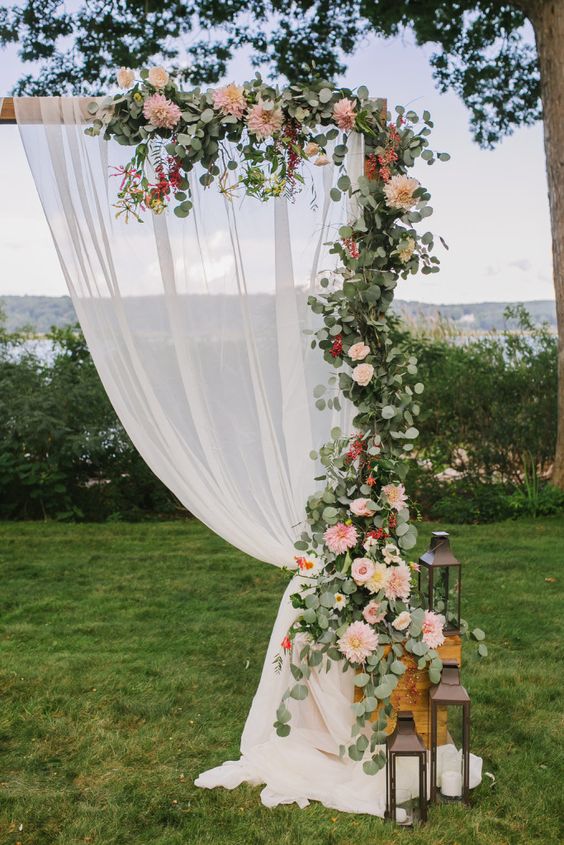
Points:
[(232, 256)]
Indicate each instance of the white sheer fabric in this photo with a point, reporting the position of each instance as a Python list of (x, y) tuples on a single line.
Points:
[(196, 327)]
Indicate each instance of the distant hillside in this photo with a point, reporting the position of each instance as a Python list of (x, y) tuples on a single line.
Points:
[(37, 312), (42, 312), (477, 316)]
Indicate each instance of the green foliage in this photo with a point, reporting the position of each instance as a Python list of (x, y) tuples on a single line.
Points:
[(481, 50), (110, 707), (63, 453), (490, 403)]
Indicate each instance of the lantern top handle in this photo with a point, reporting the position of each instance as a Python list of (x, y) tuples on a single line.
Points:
[(439, 552)]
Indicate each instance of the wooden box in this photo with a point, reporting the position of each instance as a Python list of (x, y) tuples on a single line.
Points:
[(412, 692)]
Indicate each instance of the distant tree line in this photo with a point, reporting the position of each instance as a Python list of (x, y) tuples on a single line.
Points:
[(486, 444)]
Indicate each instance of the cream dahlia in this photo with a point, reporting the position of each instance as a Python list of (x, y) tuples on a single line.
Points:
[(358, 642), (161, 112), (264, 122), (398, 582), (399, 192), (344, 114), (406, 251), (340, 537), (230, 100), (433, 624), (395, 496), (378, 579)]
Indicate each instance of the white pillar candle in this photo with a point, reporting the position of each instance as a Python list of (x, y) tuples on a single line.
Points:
[(451, 784), (401, 815)]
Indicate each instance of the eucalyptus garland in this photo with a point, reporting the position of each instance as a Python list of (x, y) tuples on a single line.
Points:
[(357, 605)]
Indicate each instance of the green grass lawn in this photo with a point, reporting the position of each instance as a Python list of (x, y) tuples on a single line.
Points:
[(130, 654)]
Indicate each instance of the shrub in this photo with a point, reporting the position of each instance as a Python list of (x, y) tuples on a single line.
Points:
[(63, 452)]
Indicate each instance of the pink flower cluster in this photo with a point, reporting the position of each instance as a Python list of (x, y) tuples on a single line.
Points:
[(433, 629), (358, 642), (340, 537), (160, 112)]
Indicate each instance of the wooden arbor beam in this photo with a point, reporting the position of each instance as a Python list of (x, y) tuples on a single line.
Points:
[(7, 111)]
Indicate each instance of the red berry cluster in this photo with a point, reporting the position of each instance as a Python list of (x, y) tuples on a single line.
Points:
[(377, 534), (337, 348), (356, 448), (378, 166), (351, 247), (168, 180), (293, 156)]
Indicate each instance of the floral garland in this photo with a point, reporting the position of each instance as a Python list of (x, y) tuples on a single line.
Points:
[(358, 605)]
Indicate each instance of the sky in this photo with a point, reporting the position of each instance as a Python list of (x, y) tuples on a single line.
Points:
[(491, 207)]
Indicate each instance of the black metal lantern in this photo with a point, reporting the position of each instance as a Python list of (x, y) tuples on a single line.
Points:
[(450, 716), (439, 580), (405, 747)]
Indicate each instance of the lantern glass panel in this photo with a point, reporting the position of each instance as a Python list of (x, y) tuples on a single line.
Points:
[(406, 807), (424, 585), (406, 773), (450, 720), (446, 595)]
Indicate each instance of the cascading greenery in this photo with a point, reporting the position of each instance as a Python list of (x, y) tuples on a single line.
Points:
[(356, 603)]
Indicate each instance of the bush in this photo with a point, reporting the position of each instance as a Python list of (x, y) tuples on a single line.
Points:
[(490, 403), (63, 452)]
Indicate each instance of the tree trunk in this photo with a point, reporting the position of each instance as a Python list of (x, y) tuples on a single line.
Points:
[(547, 18)]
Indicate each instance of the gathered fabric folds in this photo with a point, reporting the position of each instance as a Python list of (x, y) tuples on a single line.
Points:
[(201, 333)]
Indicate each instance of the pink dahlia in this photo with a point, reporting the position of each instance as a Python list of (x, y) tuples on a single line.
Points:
[(161, 112), (398, 582), (395, 495), (264, 122), (340, 537), (362, 570), (230, 100), (433, 625), (374, 612), (358, 642), (344, 114)]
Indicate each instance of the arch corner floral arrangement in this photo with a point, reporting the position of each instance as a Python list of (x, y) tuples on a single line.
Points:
[(357, 605)]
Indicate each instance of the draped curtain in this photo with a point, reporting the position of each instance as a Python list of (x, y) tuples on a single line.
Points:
[(199, 330), (196, 327)]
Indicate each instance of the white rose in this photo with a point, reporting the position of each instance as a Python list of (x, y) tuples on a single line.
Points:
[(125, 77), (358, 351), (363, 374), (158, 77), (391, 553), (402, 621)]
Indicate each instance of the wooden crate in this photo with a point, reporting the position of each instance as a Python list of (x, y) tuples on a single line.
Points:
[(412, 692)]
